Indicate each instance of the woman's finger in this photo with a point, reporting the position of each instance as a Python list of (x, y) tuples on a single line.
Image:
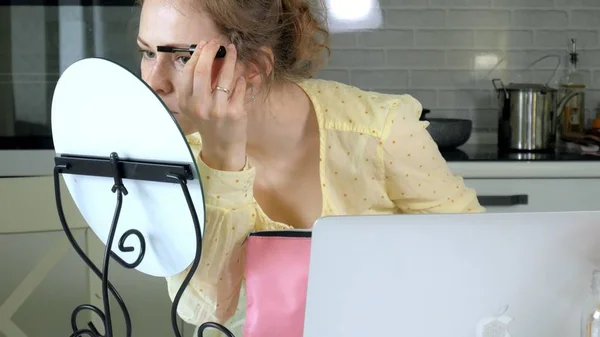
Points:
[(225, 79), (238, 98), (203, 69), (187, 79)]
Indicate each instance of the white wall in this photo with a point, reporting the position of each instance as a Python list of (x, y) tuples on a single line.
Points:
[(440, 50)]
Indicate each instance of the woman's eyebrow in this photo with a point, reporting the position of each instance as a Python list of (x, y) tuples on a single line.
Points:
[(141, 41), (183, 46)]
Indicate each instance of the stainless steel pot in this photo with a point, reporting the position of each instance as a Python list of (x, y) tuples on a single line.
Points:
[(528, 119)]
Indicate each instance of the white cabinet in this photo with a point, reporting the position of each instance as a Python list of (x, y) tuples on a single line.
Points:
[(145, 296), (28, 205), (537, 195), (42, 279), (38, 267), (41, 282)]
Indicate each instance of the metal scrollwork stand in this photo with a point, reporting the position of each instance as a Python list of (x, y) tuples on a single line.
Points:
[(119, 169)]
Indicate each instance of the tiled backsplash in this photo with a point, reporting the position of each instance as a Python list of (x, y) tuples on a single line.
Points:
[(442, 51)]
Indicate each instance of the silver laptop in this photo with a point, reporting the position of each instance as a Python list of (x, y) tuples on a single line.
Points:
[(459, 275)]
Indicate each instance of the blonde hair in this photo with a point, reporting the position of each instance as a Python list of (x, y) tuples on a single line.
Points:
[(290, 28)]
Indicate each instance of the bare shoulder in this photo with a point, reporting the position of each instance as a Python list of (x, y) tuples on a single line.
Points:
[(346, 107)]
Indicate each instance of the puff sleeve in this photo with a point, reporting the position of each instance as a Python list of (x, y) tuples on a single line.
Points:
[(417, 177), (214, 290)]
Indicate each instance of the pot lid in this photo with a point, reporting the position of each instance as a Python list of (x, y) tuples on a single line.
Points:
[(529, 86)]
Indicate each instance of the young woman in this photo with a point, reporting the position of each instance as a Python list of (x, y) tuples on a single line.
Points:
[(276, 148)]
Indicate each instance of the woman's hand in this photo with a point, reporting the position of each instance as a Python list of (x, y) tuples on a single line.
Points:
[(216, 109)]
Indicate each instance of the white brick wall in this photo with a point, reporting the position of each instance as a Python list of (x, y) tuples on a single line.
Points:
[(436, 50)]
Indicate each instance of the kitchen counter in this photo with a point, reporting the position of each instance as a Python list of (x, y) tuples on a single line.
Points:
[(486, 153), (469, 161), (26, 163), (27, 191), (485, 161)]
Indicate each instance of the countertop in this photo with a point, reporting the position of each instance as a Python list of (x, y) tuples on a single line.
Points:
[(487, 153), (469, 161), (486, 162)]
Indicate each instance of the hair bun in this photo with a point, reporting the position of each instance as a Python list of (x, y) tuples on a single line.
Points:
[(290, 28), (304, 37)]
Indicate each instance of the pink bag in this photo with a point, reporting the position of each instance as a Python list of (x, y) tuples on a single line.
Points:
[(276, 281)]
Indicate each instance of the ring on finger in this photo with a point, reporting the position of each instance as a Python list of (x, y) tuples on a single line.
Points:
[(225, 90)]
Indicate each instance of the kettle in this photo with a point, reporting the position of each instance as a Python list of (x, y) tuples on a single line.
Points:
[(529, 116)]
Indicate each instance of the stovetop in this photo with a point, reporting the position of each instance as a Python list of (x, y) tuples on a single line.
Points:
[(483, 153)]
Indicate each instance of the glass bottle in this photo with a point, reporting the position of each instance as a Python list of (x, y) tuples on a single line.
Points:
[(573, 115), (590, 316)]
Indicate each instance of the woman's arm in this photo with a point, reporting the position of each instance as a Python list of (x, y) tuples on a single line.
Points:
[(214, 290), (418, 178)]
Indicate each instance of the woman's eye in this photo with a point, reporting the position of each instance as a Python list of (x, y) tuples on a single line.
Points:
[(183, 59), (147, 54)]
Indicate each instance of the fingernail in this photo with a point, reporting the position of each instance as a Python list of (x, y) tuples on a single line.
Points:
[(231, 46), (201, 44)]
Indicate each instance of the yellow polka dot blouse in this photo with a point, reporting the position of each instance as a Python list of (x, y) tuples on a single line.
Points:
[(376, 158)]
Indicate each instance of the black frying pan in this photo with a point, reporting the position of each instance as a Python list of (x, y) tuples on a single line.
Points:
[(448, 133)]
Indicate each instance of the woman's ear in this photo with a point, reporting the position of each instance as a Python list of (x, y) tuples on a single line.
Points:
[(254, 75), (270, 59), (253, 81), (253, 72)]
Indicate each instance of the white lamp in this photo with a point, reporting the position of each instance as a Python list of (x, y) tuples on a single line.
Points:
[(347, 16)]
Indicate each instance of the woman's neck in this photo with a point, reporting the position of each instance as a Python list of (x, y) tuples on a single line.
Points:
[(280, 125)]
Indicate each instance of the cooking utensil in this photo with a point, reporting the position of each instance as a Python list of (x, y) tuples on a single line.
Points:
[(448, 133), (529, 115), (454, 155), (557, 57)]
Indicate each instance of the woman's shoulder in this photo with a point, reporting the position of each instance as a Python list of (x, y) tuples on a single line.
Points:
[(347, 107)]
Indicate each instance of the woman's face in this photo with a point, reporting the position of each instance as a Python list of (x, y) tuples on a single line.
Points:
[(167, 23)]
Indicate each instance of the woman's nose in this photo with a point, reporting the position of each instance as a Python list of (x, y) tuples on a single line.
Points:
[(159, 79)]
